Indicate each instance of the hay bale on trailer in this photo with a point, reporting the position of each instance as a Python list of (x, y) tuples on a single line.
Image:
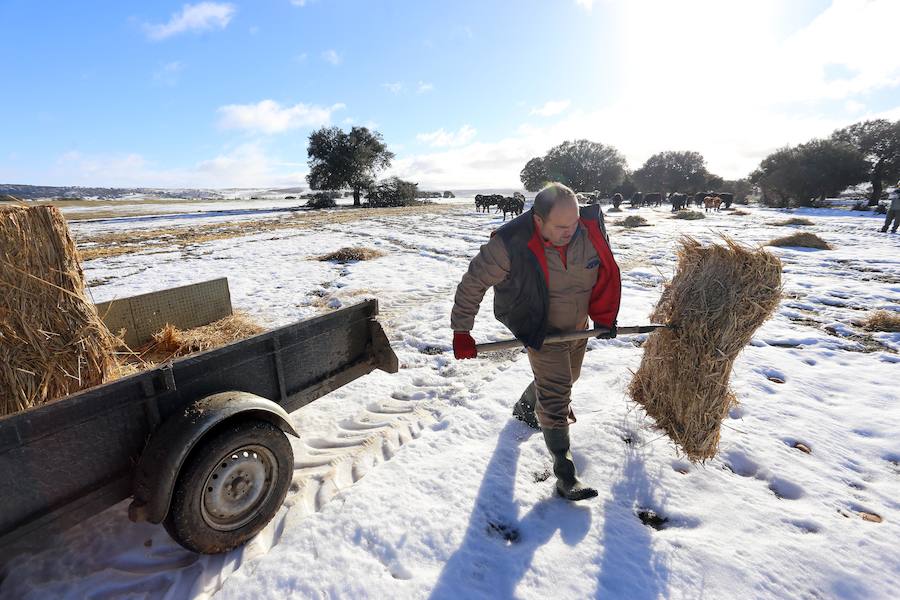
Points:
[(52, 343), (719, 296)]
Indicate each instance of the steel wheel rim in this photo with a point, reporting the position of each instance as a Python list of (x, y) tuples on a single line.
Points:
[(238, 485)]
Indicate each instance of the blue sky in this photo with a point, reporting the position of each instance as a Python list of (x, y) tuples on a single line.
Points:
[(224, 94)]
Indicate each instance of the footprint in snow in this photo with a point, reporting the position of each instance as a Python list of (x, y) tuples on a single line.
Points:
[(784, 489)]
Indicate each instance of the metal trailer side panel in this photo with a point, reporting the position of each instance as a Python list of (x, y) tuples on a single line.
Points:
[(69, 459)]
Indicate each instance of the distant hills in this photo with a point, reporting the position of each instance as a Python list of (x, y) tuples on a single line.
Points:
[(42, 192), (35, 192)]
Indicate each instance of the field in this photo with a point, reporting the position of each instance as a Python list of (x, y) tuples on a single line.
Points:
[(419, 484)]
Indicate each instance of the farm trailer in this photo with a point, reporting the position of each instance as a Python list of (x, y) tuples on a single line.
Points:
[(200, 442)]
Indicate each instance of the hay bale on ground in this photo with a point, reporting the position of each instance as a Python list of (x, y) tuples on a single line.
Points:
[(801, 240), (353, 253), (689, 215), (719, 296), (52, 342), (614, 210), (633, 221)]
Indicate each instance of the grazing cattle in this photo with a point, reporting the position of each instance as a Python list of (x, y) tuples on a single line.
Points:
[(727, 198), (699, 197), (484, 202), (511, 204), (616, 200), (679, 201), (652, 199), (711, 202), (588, 197), (636, 199)]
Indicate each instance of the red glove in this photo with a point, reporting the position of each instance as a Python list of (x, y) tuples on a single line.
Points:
[(463, 345)]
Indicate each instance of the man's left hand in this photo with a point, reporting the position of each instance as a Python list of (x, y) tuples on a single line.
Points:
[(613, 330)]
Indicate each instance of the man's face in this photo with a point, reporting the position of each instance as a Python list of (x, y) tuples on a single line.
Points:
[(560, 224)]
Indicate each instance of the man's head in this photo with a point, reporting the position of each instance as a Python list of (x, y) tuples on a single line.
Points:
[(556, 214)]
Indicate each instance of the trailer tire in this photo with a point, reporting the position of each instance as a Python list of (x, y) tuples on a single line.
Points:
[(230, 487)]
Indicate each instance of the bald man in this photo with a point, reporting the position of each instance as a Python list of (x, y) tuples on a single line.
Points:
[(551, 269)]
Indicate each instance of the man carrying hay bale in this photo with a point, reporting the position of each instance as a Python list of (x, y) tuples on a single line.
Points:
[(52, 343), (551, 268), (719, 296)]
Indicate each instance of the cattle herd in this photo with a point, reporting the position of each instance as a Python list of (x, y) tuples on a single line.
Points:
[(515, 204)]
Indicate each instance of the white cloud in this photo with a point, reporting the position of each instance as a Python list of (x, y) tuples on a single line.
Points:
[(268, 116), (168, 73), (441, 138), (332, 57), (854, 107), (244, 165), (394, 88), (424, 87), (585, 4), (551, 108), (193, 17)]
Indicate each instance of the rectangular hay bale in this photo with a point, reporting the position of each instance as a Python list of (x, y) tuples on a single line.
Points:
[(719, 296), (52, 342)]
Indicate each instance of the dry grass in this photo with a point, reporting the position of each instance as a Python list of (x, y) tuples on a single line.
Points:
[(118, 243), (613, 209), (171, 342), (689, 215), (882, 320), (633, 221), (354, 253), (53, 341), (739, 213), (801, 240), (719, 296), (793, 221)]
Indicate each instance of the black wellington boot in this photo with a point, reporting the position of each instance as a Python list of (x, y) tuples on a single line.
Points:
[(524, 408), (567, 484)]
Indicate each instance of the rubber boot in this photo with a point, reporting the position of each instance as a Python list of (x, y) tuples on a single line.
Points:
[(567, 484), (524, 408)]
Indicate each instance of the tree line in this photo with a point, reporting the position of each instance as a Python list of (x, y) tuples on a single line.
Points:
[(868, 151)]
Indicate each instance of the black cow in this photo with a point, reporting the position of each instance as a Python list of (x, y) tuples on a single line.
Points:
[(679, 201), (636, 199), (727, 198), (652, 199)]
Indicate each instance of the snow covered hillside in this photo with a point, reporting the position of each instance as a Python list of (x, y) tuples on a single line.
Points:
[(420, 485)]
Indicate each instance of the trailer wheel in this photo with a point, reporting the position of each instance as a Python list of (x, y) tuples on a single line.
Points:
[(230, 487)]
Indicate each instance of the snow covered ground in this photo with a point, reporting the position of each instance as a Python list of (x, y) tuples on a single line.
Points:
[(442, 495)]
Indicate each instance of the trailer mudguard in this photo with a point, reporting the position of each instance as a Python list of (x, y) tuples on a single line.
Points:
[(170, 445)]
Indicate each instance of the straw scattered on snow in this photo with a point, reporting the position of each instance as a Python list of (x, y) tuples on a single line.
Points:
[(52, 342), (793, 221), (633, 221), (689, 215), (882, 320), (801, 240), (352, 254), (719, 296)]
